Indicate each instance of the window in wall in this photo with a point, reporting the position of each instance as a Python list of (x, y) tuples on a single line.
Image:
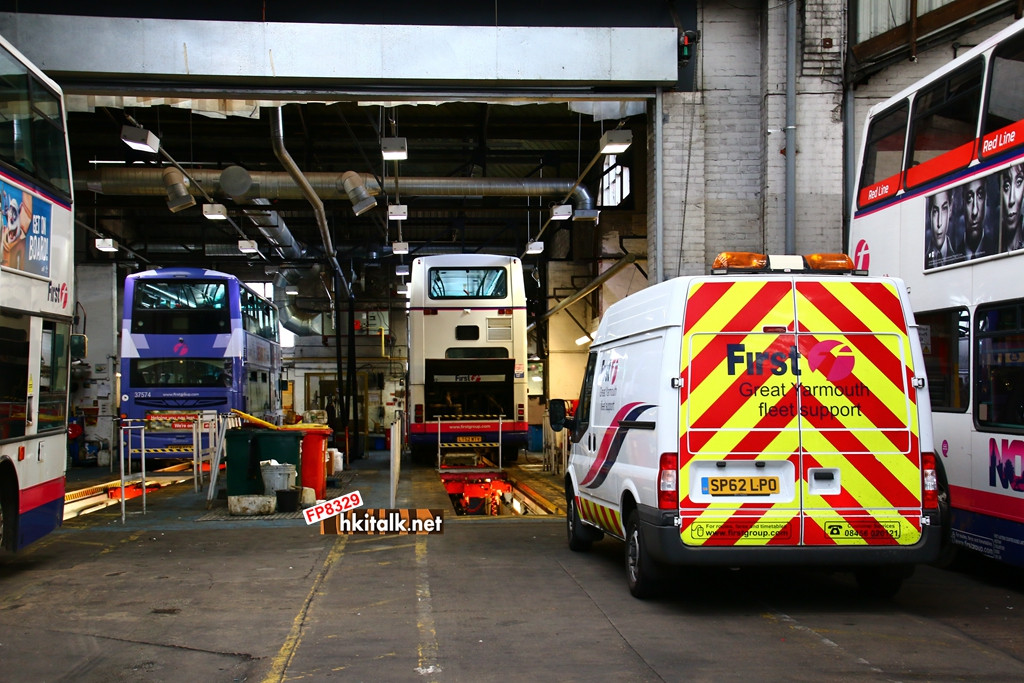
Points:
[(999, 374), (615, 185), (875, 17), (945, 338)]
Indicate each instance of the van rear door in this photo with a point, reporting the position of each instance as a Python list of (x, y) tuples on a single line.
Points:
[(797, 423)]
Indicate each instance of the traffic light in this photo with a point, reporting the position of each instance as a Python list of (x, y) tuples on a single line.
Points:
[(687, 43)]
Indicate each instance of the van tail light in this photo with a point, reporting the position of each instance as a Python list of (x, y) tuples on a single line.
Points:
[(417, 413), (930, 477), (668, 482), (520, 412)]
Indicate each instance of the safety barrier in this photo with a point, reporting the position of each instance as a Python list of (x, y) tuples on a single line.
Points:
[(213, 430)]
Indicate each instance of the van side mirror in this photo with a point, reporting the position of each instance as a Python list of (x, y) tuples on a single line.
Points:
[(556, 415)]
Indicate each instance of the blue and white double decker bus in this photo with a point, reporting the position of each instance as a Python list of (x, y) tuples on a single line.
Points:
[(195, 344)]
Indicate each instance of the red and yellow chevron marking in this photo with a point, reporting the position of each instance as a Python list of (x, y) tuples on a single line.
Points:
[(816, 372), (601, 515)]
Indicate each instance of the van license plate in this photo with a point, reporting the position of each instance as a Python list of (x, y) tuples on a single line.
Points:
[(468, 439), (739, 486)]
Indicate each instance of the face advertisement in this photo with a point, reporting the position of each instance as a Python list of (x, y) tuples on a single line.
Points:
[(25, 221), (979, 218)]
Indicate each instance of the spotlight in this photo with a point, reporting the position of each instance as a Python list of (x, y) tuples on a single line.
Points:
[(394, 149), (140, 139), (215, 212), (616, 141), (106, 244), (561, 212), (178, 197)]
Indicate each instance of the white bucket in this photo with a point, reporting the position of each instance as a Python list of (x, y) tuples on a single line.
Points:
[(337, 458), (277, 477)]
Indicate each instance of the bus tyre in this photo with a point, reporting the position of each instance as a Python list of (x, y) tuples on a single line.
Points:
[(641, 570), (7, 518), (882, 582)]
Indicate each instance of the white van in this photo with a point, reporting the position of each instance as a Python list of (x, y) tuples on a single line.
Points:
[(774, 412)]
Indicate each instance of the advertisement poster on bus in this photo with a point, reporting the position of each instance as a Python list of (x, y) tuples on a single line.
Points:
[(979, 218), (25, 221)]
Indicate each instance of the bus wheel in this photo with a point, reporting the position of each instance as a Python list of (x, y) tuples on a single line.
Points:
[(882, 582), (641, 569), (580, 537), (7, 516)]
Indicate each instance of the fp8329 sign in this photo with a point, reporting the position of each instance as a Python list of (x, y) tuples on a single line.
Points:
[(336, 506)]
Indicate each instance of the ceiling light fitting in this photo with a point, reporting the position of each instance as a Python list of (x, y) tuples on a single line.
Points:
[(399, 247), (106, 244), (534, 247), (178, 196), (394, 149), (248, 246), (140, 139), (215, 212), (291, 290), (402, 270), (561, 212), (616, 141), (585, 339), (398, 212)]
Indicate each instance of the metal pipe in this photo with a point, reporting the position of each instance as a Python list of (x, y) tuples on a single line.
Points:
[(659, 199), (587, 289), (277, 128), (791, 128)]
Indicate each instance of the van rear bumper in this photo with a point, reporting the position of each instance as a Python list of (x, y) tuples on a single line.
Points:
[(661, 536)]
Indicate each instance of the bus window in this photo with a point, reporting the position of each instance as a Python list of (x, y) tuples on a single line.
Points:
[(944, 125), (945, 339), (1005, 105), (883, 155), (1000, 366)]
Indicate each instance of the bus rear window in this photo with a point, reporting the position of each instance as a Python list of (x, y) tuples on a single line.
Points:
[(945, 124), (467, 283)]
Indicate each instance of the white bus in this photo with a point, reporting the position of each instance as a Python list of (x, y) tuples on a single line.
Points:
[(467, 355), (938, 203), (36, 300)]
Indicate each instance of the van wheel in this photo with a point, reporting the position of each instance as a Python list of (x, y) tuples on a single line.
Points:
[(579, 538), (641, 570), (881, 582)]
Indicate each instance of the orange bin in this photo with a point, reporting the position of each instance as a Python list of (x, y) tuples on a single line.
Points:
[(314, 460)]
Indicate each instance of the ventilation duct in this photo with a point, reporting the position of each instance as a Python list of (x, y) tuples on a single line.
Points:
[(330, 186)]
